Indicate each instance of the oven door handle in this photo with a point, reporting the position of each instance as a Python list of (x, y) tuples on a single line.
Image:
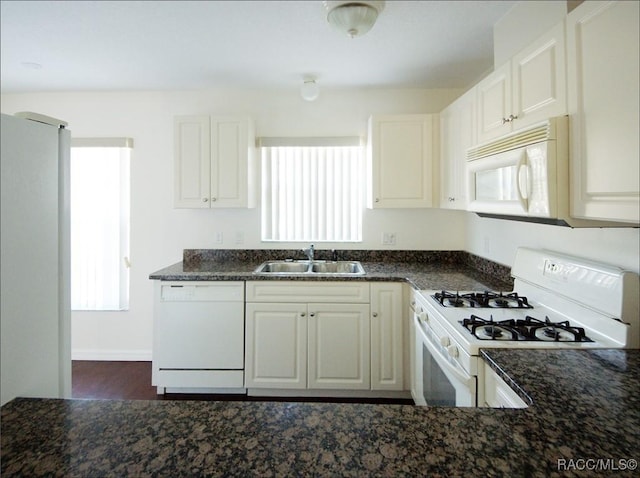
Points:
[(441, 359)]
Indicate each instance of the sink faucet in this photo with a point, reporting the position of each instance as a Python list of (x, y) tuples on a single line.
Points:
[(309, 252)]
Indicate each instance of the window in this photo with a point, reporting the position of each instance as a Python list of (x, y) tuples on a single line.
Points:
[(100, 223), (312, 192)]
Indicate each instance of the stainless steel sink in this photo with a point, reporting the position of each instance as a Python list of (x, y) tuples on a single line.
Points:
[(283, 267), (338, 267), (310, 268)]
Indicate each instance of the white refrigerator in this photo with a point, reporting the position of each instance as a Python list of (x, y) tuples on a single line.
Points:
[(35, 320)]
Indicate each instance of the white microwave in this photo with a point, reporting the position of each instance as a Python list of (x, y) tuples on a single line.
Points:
[(524, 174)]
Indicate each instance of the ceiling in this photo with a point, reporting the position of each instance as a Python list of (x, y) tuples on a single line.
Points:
[(175, 45)]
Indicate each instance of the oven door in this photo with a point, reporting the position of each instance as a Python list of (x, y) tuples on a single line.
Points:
[(437, 381)]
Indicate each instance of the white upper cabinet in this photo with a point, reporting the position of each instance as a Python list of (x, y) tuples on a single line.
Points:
[(457, 134), (401, 160), (528, 89), (214, 159), (603, 63), (494, 104)]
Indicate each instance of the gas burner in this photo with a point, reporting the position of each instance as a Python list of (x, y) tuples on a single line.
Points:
[(490, 329), (484, 299), (451, 299), (553, 331), (501, 300), (527, 329)]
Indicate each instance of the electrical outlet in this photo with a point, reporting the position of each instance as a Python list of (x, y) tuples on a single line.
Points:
[(388, 238), (217, 238)]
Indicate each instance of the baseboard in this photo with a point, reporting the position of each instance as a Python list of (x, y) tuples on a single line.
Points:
[(112, 355)]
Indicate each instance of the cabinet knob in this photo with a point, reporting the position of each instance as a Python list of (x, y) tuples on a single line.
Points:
[(375, 314), (213, 199), (312, 314), (302, 314), (377, 199), (205, 200)]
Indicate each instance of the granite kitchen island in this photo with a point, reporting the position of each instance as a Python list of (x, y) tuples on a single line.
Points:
[(584, 420)]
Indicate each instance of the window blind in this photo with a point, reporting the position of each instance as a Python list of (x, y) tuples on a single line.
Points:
[(312, 193), (100, 223)]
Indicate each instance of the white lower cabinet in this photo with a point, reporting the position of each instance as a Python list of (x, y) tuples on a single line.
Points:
[(338, 353), (497, 394), (324, 336), (276, 345), (293, 343), (387, 336)]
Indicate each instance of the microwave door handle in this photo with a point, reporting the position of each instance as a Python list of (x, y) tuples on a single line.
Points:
[(522, 177)]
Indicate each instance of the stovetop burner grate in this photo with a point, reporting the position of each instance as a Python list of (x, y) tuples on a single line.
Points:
[(527, 329), (486, 299)]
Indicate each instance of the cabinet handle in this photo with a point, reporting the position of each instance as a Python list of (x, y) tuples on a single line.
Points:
[(205, 200), (375, 314), (509, 119), (312, 314), (451, 199), (377, 200)]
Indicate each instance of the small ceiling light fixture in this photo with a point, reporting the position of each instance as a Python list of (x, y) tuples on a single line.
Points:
[(355, 18), (309, 90)]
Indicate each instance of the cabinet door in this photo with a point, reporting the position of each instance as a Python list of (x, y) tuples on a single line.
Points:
[(387, 357), (276, 346), (494, 104), (339, 346), (400, 160), (497, 394), (191, 162), (229, 162), (540, 80), (457, 134), (603, 53)]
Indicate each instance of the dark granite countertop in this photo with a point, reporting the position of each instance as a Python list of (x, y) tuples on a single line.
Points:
[(424, 270), (584, 421)]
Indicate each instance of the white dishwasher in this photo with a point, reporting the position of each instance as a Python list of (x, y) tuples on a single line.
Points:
[(198, 337)]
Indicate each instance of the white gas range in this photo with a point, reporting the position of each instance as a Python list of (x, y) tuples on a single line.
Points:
[(558, 301)]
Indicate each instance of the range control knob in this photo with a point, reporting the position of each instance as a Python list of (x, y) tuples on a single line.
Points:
[(444, 341), (453, 351)]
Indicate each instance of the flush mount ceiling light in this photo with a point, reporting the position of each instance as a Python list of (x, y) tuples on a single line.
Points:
[(309, 90), (354, 18)]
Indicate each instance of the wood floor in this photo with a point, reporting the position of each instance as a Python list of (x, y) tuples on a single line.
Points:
[(132, 381)]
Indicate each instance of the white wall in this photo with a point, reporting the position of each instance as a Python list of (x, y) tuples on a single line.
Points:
[(498, 239), (159, 232)]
